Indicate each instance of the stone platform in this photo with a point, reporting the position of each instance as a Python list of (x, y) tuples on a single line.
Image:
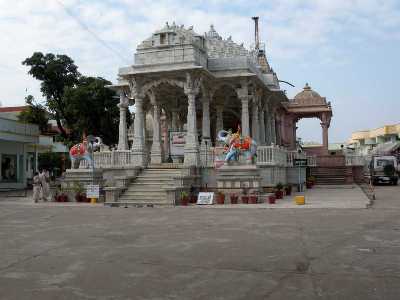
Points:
[(238, 178)]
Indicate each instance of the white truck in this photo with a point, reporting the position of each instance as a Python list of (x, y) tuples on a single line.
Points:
[(383, 169)]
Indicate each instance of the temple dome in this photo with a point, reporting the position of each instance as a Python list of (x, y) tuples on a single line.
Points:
[(309, 97)]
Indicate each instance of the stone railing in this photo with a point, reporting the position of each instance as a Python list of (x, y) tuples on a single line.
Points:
[(207, 156), (111, 159), (271, 155), (355, 160)]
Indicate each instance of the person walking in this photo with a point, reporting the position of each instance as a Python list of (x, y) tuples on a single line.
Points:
[(44, 180), (36, 187)]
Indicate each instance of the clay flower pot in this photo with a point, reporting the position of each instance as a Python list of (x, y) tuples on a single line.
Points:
[(234, 199), (253, 199), (245, 199), (220, 198), (279, 194), (193, 199), (271, 199), (185, 201), (309, 184)]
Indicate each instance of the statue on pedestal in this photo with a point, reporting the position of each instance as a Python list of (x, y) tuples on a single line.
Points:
[(236, 145), (84, 151)]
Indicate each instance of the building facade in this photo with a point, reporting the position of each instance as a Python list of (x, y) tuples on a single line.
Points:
[(15, 140), (366, 141)]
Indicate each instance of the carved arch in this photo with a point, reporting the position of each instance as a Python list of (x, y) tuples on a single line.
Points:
[(154, 84), (219, 85)]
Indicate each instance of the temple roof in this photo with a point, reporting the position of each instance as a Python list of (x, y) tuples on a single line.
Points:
[(309, 97)]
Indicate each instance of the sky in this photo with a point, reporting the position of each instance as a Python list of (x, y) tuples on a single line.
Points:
[(347, 50)]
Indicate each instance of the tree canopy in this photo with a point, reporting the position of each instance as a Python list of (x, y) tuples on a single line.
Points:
[(56, 73), (35, 113), (79, 104)]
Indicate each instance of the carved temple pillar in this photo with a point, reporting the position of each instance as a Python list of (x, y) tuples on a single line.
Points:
[(255, 122), (156, 152), (191, 153), (123, 130), (138, 143), (325, 142), (262, 127), (166, 135), (243, 95), (206, 139), (274, 137), (219, 125)]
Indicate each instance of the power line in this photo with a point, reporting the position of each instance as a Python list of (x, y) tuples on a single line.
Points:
[(93, 34)]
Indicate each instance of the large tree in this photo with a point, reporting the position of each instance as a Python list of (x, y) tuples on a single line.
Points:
[(80, 104), (93, 109), (56, 73)]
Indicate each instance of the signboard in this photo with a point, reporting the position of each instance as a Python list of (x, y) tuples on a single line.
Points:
[(300, 162), (205, 198), (177, 143), (92, 191)]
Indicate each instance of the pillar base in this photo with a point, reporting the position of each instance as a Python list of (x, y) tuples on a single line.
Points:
[(156, 157), (139, 158), (192, 157)]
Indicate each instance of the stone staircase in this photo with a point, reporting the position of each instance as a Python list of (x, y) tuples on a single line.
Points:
[(331, 175), (149, 187)]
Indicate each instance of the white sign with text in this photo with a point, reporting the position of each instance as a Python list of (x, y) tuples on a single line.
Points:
[(205, 198), (92, 191)]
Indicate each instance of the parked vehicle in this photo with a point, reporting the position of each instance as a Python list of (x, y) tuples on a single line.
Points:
[(383, 169)]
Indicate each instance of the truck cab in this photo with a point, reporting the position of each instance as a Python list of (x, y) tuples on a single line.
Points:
[(383, 169)]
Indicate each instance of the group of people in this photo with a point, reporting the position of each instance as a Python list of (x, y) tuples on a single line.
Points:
[(41, 186)]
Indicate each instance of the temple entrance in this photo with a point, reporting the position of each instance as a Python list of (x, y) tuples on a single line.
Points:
[(308, 135), (306, 105)]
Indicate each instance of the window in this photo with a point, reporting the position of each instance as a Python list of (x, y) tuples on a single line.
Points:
[(384, 162), (9, 168)]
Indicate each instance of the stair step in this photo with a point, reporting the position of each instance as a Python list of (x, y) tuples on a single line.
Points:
[(145, 194), (138, 203), (149, 187)]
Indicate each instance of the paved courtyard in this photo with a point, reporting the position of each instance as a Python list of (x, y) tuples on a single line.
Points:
[(96, 252)]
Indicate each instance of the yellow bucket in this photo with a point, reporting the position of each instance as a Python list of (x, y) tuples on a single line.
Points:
[(93, 200), (300, 200)]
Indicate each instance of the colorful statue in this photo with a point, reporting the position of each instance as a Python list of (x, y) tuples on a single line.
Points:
[(84, 150), (236, 145)]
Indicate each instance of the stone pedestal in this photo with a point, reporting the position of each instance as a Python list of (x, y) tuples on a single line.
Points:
[(238, 179), (82, 177)]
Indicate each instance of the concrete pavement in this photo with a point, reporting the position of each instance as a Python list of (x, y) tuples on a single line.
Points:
[(73, 252)]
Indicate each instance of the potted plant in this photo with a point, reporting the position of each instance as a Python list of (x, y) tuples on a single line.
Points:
[(234, 198), (245, 196), (253, 198), (310, 182), (279, 191), (271, 199), (288, 189), (60, 195), (220, 198), (80, 195), (184, 198)]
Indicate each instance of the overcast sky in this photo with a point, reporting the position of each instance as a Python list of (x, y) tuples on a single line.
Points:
[(347, 50)]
